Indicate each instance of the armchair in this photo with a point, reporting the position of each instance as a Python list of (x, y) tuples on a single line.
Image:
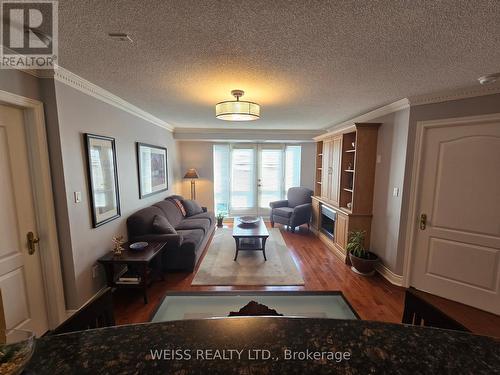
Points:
[(293, 211)]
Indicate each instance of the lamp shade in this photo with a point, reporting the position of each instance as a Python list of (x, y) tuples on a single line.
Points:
[(191, 173), (237, 110)]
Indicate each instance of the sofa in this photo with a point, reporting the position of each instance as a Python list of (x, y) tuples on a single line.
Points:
[(183, 247), (293, 211)]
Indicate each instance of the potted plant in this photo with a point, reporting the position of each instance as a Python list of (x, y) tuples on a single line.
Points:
[(362, 260), (220, 219)]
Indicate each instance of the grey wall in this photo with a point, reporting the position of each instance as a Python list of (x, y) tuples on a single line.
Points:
[(457, 108), (199, 155), (78, 114), (390, 172), (69, 113)]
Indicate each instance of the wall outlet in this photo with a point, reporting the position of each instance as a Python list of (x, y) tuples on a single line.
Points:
[(78, 196), (95, 270), (395, 192)]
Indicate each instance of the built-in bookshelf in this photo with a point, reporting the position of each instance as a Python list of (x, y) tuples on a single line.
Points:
[(319, 168), (347, 188)]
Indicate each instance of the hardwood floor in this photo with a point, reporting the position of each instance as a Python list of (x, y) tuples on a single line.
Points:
[(373, 298)]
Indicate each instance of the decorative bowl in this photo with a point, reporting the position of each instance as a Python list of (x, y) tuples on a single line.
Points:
[(138, 245), (247, 220), (16, 349)]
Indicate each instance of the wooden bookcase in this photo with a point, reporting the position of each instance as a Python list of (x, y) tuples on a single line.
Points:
[(319, 168), (351, 193)]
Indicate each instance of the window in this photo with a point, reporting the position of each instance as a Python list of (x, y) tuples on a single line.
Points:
[(247, 176)]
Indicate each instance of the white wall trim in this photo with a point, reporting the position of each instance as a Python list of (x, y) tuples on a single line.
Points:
[(38, 156), (379, 112), (81, 84), (455, 94), (416, 176), (390, 276)]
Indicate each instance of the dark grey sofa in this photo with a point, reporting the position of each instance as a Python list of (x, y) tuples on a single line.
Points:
[(183, 249), (293, 211)]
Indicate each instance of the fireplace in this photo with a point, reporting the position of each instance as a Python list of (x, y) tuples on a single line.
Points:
[(328, 216)]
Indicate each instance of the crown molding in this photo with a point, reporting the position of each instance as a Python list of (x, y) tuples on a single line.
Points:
[(63, 75), (369, 116), (455, 94)]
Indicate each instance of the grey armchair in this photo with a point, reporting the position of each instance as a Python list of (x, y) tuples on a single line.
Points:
[(293, 211)]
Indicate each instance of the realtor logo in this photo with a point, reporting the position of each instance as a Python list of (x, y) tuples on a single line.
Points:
[(28, 34)]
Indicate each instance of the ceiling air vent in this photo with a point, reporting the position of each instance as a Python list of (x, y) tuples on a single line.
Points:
[(121, 37)]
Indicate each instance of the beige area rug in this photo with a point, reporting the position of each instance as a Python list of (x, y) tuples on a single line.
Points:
[(219, 268)]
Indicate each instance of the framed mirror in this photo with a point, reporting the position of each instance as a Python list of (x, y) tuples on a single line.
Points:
[(152, 169), (103, 179)]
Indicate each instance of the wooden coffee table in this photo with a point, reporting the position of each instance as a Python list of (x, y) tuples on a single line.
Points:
[(250, 237)]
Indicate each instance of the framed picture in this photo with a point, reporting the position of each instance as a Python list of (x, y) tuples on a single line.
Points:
[(103, 179), (152, 169)]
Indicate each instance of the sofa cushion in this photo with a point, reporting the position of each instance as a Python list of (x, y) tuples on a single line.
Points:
[(141, 222), (170, 211), (191, 207), (191, 236), (283, 211), (204, 215), (162, 226), (203, 224), (179, 205)]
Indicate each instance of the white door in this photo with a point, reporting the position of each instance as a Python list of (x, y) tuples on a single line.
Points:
[(243, 190), (457, 249), (21, 281)]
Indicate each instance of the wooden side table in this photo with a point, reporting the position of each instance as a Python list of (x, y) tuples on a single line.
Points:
[(139, 260)]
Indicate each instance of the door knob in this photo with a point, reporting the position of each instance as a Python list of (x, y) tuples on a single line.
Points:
[(32, 241), (423, 221)]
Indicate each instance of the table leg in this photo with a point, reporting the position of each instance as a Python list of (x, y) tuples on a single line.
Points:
[(236, 240), (145, 282), (264, 247), (110, 273)]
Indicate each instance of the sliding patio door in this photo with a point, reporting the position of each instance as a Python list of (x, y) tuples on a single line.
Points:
[(247, 177)]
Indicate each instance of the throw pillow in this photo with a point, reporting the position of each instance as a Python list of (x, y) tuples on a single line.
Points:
[(162, 226), (192, 207), (179, 206)]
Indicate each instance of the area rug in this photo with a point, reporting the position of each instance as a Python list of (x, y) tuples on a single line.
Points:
[(219, 268)]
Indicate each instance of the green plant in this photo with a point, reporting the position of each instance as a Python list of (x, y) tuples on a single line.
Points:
[(356, 242), (221, 215)]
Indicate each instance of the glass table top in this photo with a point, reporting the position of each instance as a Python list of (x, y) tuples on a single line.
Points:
[(179, 306)]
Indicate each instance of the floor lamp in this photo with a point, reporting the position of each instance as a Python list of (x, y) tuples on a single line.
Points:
[(193, 175)]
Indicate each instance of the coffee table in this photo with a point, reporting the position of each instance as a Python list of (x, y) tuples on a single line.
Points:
[(250, 237)]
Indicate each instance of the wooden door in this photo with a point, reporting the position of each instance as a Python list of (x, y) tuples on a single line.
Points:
[(21, 280), (326, 172), (334, 187), (457, 245)]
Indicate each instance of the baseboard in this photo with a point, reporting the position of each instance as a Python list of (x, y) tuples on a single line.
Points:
[(390, 276)]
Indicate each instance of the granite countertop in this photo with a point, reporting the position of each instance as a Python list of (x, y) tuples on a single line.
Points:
[(265, 345)]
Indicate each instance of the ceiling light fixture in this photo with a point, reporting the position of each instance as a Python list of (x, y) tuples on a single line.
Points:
[(237, 110), (489, 78)]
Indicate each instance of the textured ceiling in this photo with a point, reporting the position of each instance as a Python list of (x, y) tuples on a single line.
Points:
[(309, 64)]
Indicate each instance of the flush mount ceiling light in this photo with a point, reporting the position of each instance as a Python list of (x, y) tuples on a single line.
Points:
[(489, 78), (237, 110)]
